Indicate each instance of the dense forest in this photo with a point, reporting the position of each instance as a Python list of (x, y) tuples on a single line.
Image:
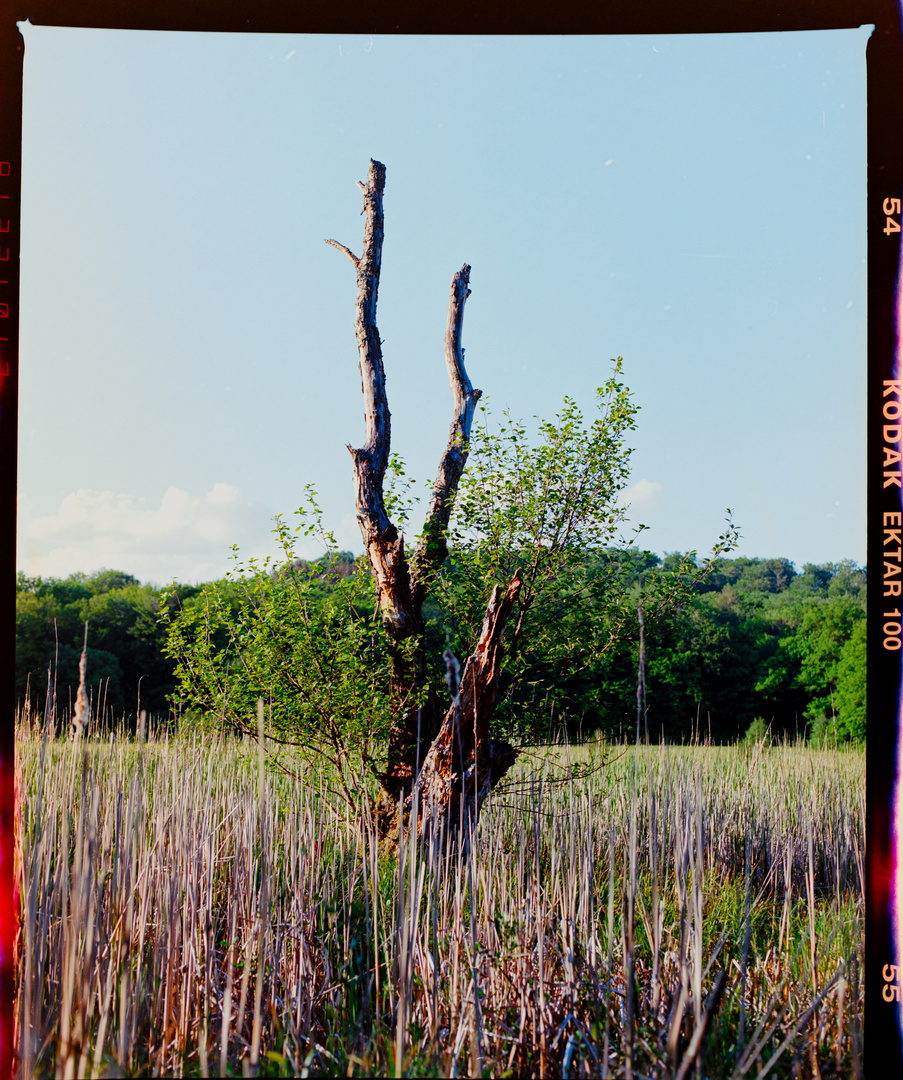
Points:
[(760, 646)]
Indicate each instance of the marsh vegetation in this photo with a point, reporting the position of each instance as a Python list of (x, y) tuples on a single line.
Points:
[(677, 911)]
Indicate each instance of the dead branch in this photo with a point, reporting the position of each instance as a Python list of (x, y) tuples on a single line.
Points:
[(432, 550), (355, 261), (384, 545)]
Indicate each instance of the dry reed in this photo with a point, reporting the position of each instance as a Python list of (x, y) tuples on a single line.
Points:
[(680, 912)]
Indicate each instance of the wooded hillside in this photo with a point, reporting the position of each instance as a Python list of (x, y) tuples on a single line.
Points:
[(760, 639)]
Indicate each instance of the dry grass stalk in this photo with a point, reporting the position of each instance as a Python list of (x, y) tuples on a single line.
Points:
[(187, 912)]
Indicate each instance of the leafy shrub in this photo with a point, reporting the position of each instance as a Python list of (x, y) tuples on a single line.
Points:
[(758, 732)]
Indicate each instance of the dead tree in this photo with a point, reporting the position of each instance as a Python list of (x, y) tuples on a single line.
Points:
[(461, 749)]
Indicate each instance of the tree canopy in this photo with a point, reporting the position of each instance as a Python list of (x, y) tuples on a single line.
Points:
[(758, 638)]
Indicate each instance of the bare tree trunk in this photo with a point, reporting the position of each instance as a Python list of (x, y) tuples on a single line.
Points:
[(402, 584), (383, 543)]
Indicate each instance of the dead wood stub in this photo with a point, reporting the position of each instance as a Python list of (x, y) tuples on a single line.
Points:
[(464, 762)]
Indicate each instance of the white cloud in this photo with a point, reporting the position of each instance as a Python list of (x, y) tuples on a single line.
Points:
[(643, 497), (187, 537)]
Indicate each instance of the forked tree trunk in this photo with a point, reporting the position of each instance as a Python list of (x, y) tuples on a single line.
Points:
[(402, 583)]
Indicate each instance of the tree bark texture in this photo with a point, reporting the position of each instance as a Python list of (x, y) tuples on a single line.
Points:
[(385, 548), (464, 763), (402, 584), (432, 551)]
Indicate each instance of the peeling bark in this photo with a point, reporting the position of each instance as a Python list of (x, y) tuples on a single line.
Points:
[(464, 763), (401, 585)]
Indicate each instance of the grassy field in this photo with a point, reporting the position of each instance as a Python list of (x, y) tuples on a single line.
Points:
[(677, 912)]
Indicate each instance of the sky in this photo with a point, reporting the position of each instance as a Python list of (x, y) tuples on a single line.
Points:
[(694, 204)]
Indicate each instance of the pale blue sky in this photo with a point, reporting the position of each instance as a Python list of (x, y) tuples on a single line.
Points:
[(695, 204)]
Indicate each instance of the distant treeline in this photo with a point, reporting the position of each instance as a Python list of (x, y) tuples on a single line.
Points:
[(125, 636), (760, 641), (760, 645)]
